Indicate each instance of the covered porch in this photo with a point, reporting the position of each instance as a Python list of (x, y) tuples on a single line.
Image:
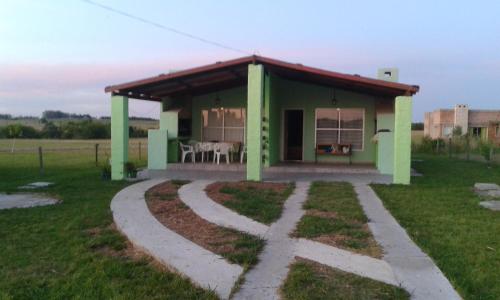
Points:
[(278, 113)]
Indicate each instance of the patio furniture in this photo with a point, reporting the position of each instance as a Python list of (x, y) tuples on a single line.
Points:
[(187, 149), (335, 150), (203, 147), (242, 153), (223, 149)]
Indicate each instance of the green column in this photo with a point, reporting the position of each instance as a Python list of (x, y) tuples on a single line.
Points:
[(119, 136), (385, 144), (254, 121), (402, 140)]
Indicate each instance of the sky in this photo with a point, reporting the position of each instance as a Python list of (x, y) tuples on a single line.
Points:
[(60, 54)]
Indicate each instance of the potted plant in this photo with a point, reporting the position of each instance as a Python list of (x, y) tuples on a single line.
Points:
[(130, 170)]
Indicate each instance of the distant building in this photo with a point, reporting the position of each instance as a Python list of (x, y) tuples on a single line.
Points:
[(484, 124)]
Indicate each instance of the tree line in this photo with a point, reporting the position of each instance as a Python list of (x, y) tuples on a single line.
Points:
[(85, 129)]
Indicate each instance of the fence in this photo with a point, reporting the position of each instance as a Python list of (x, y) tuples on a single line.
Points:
[(461, 147), (44, 154)]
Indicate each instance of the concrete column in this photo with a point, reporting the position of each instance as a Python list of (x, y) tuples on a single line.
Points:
[(254, 121), (119, 136), (402, 140), (385, 144), (169, 120)]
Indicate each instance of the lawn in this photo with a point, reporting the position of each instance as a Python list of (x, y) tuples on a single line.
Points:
[(262, 202), (440, 212), (312, 281), (335, 217), (70, 250)]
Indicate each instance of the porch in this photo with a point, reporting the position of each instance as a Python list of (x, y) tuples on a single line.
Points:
[(279, 112)]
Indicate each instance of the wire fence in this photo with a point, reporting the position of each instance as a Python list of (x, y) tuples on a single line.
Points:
[(461, 147), (43, 154)]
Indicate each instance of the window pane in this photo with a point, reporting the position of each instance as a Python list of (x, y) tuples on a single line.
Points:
[(353, 137), (234, 117), (212, 134), (351, 118), (212, 117), (234, 135), (327, 118), (326, 137)]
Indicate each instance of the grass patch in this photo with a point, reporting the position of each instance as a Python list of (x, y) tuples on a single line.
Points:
[(237, 247), (262, 202), (62, 251), (310, 280), (334, 216), (440, 212)]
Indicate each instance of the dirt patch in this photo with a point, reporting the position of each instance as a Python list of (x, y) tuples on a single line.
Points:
[(322, 214), (164, 203), (215, 190)]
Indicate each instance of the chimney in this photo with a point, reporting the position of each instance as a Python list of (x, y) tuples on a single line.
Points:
[(462, 117), (388, 74)]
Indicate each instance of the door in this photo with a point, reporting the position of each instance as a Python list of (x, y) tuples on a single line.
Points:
[(293, 125)]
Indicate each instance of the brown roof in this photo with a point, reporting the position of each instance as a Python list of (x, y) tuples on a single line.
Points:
[(232, 73)]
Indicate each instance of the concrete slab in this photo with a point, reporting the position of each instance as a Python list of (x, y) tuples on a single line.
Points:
[(204, 268), (361, 265), (486, 187), (24, 201), (194, 196), (493, 205), (36, 185), (414, 270)]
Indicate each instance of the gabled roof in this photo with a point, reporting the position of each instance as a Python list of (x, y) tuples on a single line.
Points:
[(232, 73)]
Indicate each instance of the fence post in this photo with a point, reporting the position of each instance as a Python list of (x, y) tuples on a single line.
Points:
[(96, 154), (40, 159), (449, 147), (437, 146), (467, 147), (139, 150)]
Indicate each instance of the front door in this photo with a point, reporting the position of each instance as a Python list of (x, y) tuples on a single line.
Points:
[(293, 134)]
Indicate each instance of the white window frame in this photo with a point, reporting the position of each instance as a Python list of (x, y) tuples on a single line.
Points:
[(223, 127), (339, 109)]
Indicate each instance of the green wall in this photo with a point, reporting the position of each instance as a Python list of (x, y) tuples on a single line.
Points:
[(385, 153), (298, 95)]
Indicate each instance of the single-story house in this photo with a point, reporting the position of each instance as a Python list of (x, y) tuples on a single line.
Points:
[(277, 111)]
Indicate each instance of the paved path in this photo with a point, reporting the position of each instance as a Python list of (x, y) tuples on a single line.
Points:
[(404, 264), (24, 201), (133, 218), (194, 196), (416, 271)]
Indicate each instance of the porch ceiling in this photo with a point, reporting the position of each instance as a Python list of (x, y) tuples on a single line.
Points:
[(232, 73)]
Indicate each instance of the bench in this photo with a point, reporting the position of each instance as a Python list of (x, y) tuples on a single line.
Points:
[(334, 150)]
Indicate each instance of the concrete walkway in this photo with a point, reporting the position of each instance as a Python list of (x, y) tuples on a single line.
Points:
[(194, 196), (133, 218), (24, 201), (404, 263), (416, 271)]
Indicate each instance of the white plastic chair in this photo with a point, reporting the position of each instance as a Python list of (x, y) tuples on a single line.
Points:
[(242, 153), (187, 149), (222, 149)]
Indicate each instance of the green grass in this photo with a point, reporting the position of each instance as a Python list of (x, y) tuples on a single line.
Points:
[(262, 205), (346, 216), (440, 212), (50, 253), (311, 281), (246, 249)]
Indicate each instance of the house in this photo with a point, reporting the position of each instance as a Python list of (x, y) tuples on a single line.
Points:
[(281, 111), (484, 124)]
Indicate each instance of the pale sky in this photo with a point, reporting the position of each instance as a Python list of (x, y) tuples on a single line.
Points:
[(60, 54)]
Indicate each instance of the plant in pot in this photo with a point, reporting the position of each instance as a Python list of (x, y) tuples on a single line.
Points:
[(130, 170), (106, 172)]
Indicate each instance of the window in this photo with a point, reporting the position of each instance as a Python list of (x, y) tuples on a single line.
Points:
[(498, 130), (223, 124), (447, 130), (340, 126), (476, 131)]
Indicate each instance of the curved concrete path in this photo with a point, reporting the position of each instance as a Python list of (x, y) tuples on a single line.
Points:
[(404, 264), (414, 269), (133, 218), (193, 195)]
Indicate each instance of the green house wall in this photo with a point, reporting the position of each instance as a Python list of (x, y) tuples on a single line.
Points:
[(281, 94)]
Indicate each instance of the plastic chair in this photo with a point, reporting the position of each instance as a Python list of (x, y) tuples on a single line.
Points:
[(187, 149), (222, 149)]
